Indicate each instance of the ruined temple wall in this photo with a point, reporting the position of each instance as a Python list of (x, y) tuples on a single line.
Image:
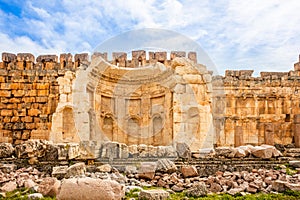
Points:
[(256, 110), (29, 93), (37, 96)]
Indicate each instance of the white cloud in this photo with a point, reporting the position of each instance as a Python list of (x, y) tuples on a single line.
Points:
[(241, 34)]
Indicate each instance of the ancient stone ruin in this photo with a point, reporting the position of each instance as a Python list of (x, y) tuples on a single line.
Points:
[(152, 102)]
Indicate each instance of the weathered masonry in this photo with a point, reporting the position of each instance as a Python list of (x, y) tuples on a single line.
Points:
[(257, 110), (155, 101)]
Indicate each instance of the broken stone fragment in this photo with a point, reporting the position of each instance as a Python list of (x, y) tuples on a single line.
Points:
[(59, 172), (147, 170), (183, 150), (76, 170), (6, 150), (49, 186), (189, 171), (104, 168), (198, 190), (154, 194), (166, 166)]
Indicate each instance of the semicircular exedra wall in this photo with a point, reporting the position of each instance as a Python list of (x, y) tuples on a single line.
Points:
[(153, 105)]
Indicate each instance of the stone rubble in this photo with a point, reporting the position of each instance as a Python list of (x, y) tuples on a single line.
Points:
[(263, 151), (185, 179)]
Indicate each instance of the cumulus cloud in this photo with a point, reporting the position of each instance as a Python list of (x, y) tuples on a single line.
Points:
[(235, 34)]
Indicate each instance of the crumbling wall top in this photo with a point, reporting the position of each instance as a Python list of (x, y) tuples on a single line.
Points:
[(138, 58)]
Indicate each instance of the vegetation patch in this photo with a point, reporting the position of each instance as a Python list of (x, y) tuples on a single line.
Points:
[(287, 195)]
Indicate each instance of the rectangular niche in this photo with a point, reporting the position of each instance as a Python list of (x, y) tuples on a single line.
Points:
[(133, 106), (157, 104), (107, 104)]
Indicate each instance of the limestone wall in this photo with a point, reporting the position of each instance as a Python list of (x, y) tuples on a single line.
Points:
[(256, 110), (154, 100), (29, 95)]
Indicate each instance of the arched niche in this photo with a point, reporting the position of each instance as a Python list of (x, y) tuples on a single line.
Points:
[(133, 127), (108, 126), (157, 125)]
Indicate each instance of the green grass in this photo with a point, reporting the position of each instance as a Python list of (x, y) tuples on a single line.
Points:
[(21, 194), (133, 193), (291, 195), (287, 195)]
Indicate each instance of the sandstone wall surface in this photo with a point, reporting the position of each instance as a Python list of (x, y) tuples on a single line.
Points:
[(66, 99)]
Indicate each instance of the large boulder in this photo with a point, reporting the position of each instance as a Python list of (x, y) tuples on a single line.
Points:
[(197, 190), (166, 166), (6, 150), (225, 152), (147, 170), (76, 170), (49, 187), (240, 153), (265, 151), (247, 149), (189, 171), (279, 186), (261, 152), (154, 194), (275, 152), (90, 189)]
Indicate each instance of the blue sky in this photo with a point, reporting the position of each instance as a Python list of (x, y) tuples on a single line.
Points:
[(251, 34)]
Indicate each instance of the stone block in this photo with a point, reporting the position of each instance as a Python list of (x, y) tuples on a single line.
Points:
[(138, 58), (59, 172), (189, 171), (119, 58), (39, 134), (154, 194), (18, 93), (76, 170), (5, 93), (147, 170), (9, 57), (175, 54), (42, 92), (166, 166), (81, 57), (6, 113), (28, 57), (42, 86), (193, 79), (34, 112), (192, 56), (47, 58), (98, 54), (89, 188)]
